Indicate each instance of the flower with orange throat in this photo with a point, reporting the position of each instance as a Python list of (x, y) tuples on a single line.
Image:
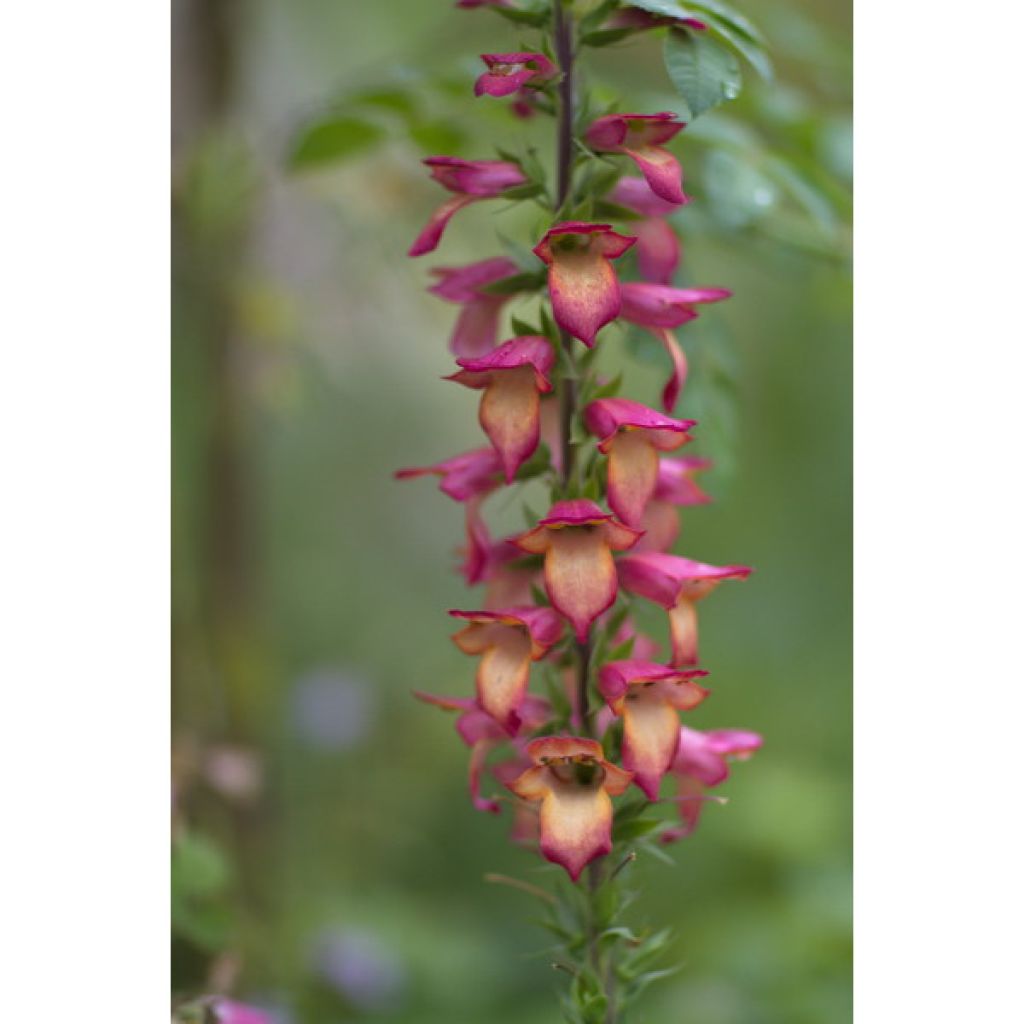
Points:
[(506, 641), (512, 378), (574, 783), (632, 435), (649, 697), (677, 584), (642, 137), (583, 284), (471, 181), (577, 540)]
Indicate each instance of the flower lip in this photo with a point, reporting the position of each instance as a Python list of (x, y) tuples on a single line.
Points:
[(525, 350), (675, 481), (605, 417), (508, 73), (614, 131), (578, 512), (612, 244), (546, 748), (616, 677), (543, 624), (636, 195)]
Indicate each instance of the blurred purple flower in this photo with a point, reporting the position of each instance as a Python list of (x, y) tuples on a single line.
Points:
[(360, 968), (332, 710)]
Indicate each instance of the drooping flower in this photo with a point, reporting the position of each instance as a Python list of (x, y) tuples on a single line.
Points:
[(631, 435), (508, 72), (648, 697), (574, 783), (660, 308), (471, 181), (642, 137), (476, 328), (675, 487), (481, 733), (677, 584), (583, 284), (577, 540), (463, 477), (702, 762), (512, 377), (658, 250), (506, 640)]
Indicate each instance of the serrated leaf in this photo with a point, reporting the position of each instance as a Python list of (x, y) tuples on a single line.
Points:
[(703, 71), (333, 139)]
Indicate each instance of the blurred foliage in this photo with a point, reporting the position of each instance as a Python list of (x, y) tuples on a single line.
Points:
[(310, 588)]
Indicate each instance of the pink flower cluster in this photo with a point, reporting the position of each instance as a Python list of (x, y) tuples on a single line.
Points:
[(550, 592)]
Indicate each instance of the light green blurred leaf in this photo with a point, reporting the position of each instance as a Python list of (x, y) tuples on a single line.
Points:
[(333, 138), (704, 72)]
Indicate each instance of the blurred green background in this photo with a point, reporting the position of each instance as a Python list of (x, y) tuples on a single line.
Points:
[(328, 864)]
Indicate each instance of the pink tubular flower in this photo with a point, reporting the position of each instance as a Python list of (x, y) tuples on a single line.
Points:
[(648, 696), (701, 762), (641, 137), (513, 377), (506, 640), (658, 251), (583, 284), (476, 328), (508, 72), (574, 783), (677, 584), (675, 487), (660, 307), (463, 477), (577, 540), (631, 435), (482, 734), (471, 181)]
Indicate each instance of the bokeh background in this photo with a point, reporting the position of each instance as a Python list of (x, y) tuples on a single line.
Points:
[(327, 863)]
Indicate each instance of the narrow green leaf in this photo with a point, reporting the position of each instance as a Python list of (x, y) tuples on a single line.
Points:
[(704, 72)]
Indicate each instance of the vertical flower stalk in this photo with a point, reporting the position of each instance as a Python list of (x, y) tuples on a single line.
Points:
[(572, 720)]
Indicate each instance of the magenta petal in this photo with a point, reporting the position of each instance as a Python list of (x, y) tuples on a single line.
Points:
[(463, 477), (635, 194), (675, 480), (657, 305), (658, 250), (483, 178), (462, 284), (429, 238), (605, 417), (476, 328), (531, 350), (661, 171), (663, 578), (677, 379)]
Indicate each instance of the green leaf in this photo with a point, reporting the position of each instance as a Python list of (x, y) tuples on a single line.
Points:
[(704, 72), (666, 8), (521, 327), (333, 139), (750, 49), (725, 12), (527, 191)]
